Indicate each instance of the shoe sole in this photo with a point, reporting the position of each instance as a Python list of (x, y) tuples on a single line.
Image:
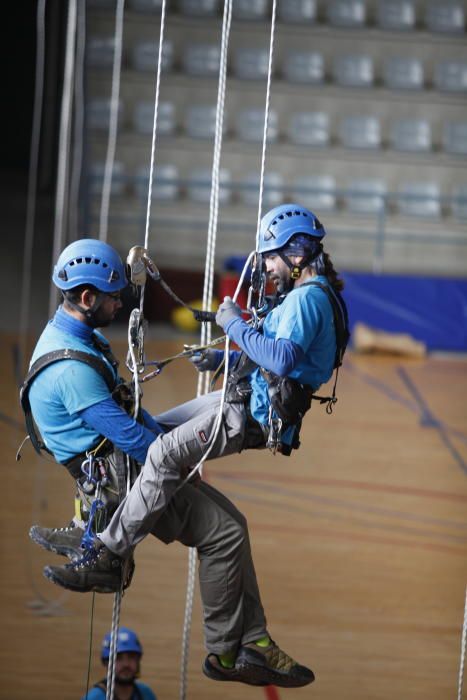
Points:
[(51, 576), (262, 675), (63, 551), (215, 675)]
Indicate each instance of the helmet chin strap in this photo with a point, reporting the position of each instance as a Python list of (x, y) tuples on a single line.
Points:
[(295, 269), (89, 314)]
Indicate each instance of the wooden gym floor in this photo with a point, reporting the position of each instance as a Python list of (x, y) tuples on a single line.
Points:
[(359, 539)]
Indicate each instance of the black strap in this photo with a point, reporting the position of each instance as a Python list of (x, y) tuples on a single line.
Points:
[(341, 319), (97, 363)]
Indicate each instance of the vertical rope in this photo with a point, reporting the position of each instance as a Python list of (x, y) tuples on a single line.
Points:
[(78, 125), (203, 382), (64, 144), (113, 646), (32, 181), (113, 122), (154, 128), (460, 686), (266, 120)]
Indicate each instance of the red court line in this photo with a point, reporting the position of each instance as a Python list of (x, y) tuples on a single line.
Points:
[(271, 692), (345, 483)]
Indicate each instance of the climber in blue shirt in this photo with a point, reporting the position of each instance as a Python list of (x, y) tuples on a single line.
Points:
[(282, 362)]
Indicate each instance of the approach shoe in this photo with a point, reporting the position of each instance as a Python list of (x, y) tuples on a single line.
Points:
[(213, 669), (271, 666), (99, 570), (65, 541)]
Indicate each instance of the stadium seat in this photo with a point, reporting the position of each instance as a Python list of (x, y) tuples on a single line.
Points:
[(401, 73), (309, 128), (297, 11), (396, 15), (98, 113), (455, 138), (304, 67), (200, 121), (364, 196), (143, 118), (165, 182), (199, 185), (318, 190), (447, 16), (250, 9), (250, 125), (251, 63), (273, 189), (353, 71), (420, 199), (96, 178), (360, 132), (411, 135), (145, 55), (459, 202), (100, 51), (346, 13), (451, 76), (201, 60)]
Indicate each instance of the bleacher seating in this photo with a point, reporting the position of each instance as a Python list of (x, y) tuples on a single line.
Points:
[(396, 15), (451, 76), (304, 67), (297, 11), (199, 8), (100, 51), (145, 55), (346, 13), (365, 196), (200, 121), (251, 63), (353, 71), (459, 202), (421, 199), (273, 189), (143, 118), (360, 132), (199, 185), (250, 125), (251, 10), (402, 73), (455, 138), (411, 135), (202, 60), (96, 178), (149, 6), (318, 190), (98, 113), (309, 129), (165, 182), (446, 16)]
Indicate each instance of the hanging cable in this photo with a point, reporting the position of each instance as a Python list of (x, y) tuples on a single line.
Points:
[(205, 336), (64, 146), (109, 694), (78, 124), (113, 122), (32, 183)]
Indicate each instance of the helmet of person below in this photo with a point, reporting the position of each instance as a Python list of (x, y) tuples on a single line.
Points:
[(90, 261), (283, 222), (127, 641)]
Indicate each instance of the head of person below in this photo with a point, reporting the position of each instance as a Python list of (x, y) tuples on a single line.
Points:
[(127, 669)]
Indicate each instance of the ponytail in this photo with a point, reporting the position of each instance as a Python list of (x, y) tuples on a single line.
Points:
[(336, 283)]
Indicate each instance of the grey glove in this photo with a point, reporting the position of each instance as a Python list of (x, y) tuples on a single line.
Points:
[(227, 312), (207, 360)]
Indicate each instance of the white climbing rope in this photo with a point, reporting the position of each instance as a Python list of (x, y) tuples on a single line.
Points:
[(460, 686), (78, 124), (64, 146), (109, 694), (113, 122)]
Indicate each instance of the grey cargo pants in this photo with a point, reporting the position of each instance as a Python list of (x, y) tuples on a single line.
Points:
[(199, 517)]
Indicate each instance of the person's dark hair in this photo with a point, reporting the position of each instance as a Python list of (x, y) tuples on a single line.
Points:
[(333, 276), (74, 294)]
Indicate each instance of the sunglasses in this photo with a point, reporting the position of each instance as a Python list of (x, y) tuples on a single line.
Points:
[(115, 296)]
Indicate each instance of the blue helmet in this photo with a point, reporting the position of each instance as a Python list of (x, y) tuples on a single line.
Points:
[(285, 221), (126, 641), (90, 261)]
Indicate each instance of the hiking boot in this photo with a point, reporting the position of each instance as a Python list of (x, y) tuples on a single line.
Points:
[(99, 570), (271, 666), (65, 541), (213, 669)]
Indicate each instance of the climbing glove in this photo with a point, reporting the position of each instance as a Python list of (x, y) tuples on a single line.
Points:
[(207, 360), (228, 311)]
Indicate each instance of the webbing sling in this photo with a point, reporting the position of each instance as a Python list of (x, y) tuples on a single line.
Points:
[(97, 363)]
